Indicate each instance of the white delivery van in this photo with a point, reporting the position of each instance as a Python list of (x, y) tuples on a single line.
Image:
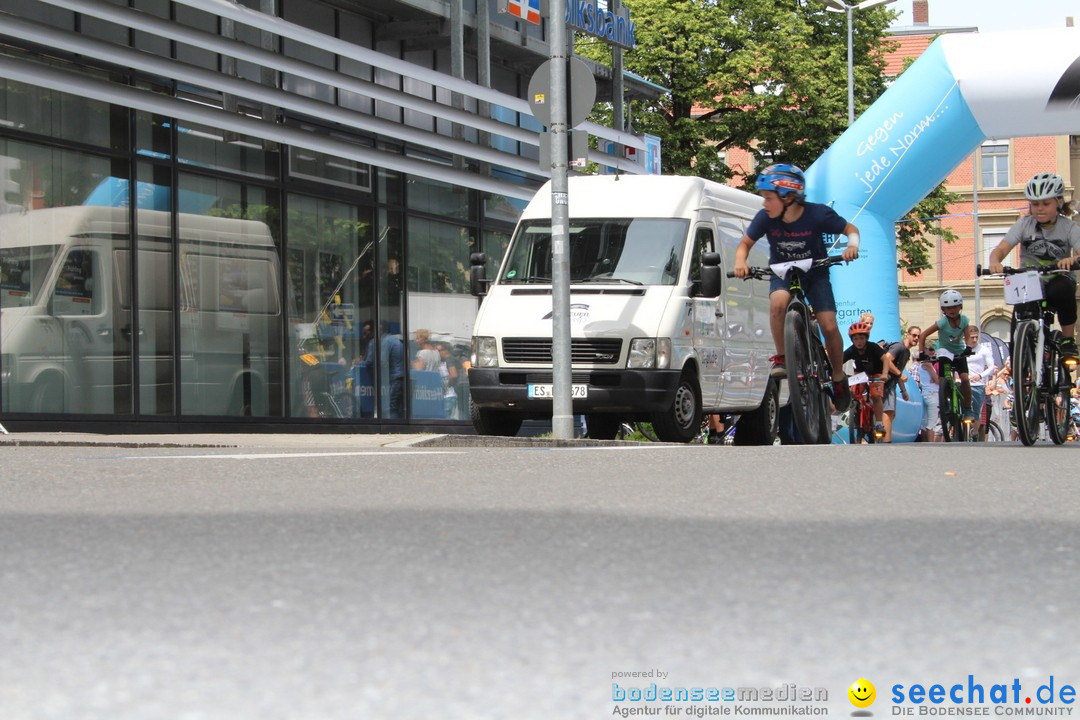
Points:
[(659, 333), (68, 324)]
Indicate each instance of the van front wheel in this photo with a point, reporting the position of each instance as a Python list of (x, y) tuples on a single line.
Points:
[(682, 420)]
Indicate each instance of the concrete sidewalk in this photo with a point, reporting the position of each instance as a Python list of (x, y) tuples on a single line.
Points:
[(284, 441), (270, 441)]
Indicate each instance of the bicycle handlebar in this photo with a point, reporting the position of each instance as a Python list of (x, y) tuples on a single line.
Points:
[(761, 273), (1041, 269)]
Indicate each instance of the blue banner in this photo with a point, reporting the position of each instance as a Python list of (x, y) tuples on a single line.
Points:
[(898, 150)]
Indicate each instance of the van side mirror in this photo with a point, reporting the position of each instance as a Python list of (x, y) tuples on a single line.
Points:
[(478, 281), (712, 279)]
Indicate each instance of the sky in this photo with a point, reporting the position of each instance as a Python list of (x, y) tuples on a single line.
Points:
[(994, 15)]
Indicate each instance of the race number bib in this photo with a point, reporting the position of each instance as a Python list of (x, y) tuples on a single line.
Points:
[(1023, 288)]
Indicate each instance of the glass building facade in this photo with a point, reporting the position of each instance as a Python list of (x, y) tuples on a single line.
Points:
[(250, 213)]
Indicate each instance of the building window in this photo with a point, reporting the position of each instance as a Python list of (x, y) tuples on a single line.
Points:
[(994, 157), (991, 238)]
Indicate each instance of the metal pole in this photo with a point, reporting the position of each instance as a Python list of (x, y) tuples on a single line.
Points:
[(562, 418), (850, 70), (975, 233)]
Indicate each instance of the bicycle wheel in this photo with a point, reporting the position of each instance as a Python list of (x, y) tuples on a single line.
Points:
[(803, 391), (993, 432), (646, 431), (1026, 406), (1058, 385), (949, 411)]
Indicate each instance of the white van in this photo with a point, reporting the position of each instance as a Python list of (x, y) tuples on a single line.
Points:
[(68, 324), (658, 332)]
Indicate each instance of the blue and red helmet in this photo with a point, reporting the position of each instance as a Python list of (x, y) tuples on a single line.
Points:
[(784, 180)]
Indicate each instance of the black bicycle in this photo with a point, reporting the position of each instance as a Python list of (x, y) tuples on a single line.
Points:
[(1041, 378), (809, 373)]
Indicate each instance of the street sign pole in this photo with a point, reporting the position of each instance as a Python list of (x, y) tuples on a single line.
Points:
[(562, 417)]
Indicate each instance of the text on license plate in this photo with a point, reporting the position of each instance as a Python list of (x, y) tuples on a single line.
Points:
[(577, 390)]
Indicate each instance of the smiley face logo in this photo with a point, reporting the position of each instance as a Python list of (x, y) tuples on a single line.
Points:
[(862, 693)]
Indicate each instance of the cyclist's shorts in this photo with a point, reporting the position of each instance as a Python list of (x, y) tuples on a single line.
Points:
[(877, 389), (816, 285), (959, 364)]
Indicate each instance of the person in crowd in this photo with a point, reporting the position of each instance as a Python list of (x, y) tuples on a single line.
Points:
[(796, 230), (427, 357), (927, 379), (999, 388), (450, 372), (900, 354), (981, 367), (391, 368)]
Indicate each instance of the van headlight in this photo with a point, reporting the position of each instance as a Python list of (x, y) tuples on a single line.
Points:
[(485, 352), (649, 353)]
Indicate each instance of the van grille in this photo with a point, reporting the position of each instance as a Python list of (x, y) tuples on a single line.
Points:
[(537, 351)]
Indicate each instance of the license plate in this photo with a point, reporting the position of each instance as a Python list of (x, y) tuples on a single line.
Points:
[(578, 390)]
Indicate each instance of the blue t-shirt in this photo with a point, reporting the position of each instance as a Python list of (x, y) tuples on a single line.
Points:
[(801, 239)]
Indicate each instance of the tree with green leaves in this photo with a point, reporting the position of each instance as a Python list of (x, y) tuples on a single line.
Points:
[(770, 77)]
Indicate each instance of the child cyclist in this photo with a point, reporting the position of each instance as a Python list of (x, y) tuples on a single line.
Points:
[(876, 362), (795, 229), (1047, 236), (951, 326)]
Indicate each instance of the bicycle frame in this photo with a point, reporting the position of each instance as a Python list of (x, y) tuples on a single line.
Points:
[(861, 414)]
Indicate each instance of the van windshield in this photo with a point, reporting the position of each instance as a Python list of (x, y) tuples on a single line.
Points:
[(642, 251), (22, 272)]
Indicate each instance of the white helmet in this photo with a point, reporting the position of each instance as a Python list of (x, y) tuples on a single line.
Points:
[(951, 298), (1043, 186)]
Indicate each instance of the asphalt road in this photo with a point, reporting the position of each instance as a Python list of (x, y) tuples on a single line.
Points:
[(342, 582)]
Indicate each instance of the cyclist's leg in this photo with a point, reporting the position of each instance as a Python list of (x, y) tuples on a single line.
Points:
[(1061, 295), (834, 344), (877, 400), (778, 300)]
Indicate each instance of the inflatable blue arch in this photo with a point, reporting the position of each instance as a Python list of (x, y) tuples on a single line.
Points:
[(964, 89)]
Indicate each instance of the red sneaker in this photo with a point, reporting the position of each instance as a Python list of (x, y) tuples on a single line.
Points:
[(779, 369)]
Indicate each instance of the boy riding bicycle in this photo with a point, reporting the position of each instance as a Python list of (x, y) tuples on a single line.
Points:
[(875, 361), (1047, 237), (795, 229), (951, 326)]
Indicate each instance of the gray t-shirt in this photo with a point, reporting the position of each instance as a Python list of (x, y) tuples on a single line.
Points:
[(1040, 246)]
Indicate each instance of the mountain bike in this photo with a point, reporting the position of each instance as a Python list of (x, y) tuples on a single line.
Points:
[(861, 412), (809, 373), (950, 398), (1041, 376)]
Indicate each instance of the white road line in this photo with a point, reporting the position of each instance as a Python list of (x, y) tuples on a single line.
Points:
[(276, 456)]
